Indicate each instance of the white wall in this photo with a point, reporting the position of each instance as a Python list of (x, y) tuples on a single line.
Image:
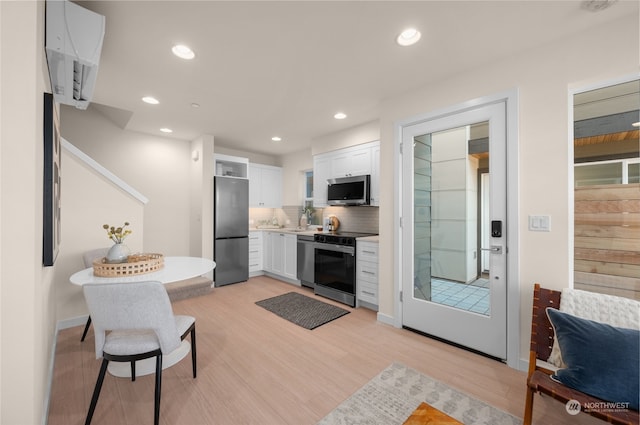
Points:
[(254, 157), (201, 197), (293, 167), (158, 167), (89, 200), (27, 290), (542, 77), (367, 132)]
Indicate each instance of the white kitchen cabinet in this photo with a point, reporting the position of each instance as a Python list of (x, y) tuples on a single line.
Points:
[(266, 251), (374, 190), (280, 254), (290, 256), (231, 166), (354, 161), (367, 273), (256, 252), (321, 172), (351, 162), (277, 253), (265, 186)]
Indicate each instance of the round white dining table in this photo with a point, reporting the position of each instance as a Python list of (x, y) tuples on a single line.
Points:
[(174, 269)]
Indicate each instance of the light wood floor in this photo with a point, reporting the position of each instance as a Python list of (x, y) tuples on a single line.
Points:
[(256, 368)]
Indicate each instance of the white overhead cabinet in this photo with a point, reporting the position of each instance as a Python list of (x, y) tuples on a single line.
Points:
[(231, 166), (353, 161), (321, 172), (375, 176), (265, 186)]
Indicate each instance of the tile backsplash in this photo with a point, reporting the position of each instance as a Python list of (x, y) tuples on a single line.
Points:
[(352, 219)]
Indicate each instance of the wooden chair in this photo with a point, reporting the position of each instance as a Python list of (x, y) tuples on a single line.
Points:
[(539, 380)]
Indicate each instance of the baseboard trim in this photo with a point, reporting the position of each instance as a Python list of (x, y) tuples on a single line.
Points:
[(71, 322), (386, 319)]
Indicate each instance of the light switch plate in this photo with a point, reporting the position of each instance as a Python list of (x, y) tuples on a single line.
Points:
[(540, 223)]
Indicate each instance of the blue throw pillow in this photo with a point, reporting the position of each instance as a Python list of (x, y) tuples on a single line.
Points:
[(602, 360)]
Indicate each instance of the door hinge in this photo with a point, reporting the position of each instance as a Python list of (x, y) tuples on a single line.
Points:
[(400, 296), (401, 222), (401, 148)]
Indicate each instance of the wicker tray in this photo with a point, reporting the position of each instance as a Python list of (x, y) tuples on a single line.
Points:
[(136, 264)]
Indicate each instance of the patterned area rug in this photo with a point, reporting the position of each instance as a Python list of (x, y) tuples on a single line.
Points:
[(396, 392), (302, 310)]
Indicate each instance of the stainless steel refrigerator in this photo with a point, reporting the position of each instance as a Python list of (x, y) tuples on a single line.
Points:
[(231, 230)]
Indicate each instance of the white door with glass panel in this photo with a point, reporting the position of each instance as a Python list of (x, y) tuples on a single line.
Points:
[(454, 232)]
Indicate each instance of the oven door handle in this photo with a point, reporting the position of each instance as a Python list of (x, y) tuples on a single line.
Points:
[(336, 248)]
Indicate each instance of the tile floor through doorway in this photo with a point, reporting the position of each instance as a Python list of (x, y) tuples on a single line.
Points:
[(472, 297)]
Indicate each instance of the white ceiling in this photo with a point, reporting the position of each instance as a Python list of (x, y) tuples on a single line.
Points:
[(269, 68)]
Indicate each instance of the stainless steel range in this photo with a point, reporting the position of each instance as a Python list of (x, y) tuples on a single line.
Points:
[(335, 266)]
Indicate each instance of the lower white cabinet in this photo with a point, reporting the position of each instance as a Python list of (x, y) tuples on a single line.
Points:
[(255, 253), (367, 272), (290, 256), (280, 254)]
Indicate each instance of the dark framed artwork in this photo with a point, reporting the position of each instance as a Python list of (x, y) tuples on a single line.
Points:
[(51, 188)]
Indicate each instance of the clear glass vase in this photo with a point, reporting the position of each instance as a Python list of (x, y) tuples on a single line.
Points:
[(118, 253)]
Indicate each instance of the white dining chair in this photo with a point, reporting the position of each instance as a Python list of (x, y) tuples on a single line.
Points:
[(88, 258), (135, 321)]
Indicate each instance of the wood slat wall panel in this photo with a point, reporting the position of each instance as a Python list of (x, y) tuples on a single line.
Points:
[(608, 281), (607, 231), (608, 219), (607, 239), (611, 244), (608, 192), (599, 267), (608, 206), (622, 257), (609, 291)]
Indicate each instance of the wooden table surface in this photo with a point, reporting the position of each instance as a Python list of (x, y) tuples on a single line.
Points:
[(426, 414)]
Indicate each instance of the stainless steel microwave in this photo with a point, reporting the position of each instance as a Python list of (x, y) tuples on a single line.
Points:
[(349, 190)]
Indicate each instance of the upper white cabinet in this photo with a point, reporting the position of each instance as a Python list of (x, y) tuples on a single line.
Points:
[(375, 176), (265, 186), (321, 172), (231, 166), (353, 161)]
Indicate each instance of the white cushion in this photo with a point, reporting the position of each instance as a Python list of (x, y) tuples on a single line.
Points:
[(609, 309)]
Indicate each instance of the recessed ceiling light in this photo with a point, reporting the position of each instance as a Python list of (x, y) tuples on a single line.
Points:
[(340, 116), (182, 51), (150, 100), (195, 105), (408, 37), (276, 139), (166, 130)]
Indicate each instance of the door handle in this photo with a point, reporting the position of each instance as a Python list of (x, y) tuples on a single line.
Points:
[(495, 249)]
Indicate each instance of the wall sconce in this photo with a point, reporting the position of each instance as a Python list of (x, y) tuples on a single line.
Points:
[(195, 155)]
